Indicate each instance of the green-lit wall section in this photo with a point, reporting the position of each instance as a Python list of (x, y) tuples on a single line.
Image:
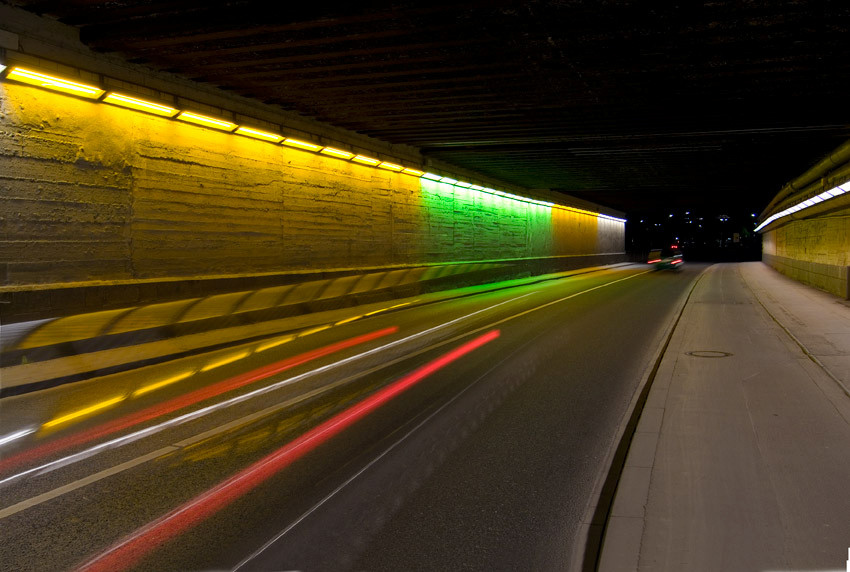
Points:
[(470, 224)]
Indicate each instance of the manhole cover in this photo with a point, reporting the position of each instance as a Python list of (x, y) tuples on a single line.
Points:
[(708, 353)]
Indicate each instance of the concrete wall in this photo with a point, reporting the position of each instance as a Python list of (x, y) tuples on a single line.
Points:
[(93, 194), (815, 251)]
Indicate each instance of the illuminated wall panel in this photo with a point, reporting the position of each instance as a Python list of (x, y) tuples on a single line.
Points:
[(476, 225), (815, 251), (96, 192), (66, 197), (822, 240)]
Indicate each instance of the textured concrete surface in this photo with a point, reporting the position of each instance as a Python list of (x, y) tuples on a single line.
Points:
[(815, 251), (748, 465), (96, 193)]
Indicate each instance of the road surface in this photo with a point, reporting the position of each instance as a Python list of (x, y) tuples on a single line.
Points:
[(465, 433)]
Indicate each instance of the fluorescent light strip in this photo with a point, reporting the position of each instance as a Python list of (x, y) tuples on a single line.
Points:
[(503, 194), (205, 121), (38, 79), (257, 134), (414, 172), (608, 217), (300, 144), (365, 160), (140, 104), (336, 153), (390, 166), (810, 202)]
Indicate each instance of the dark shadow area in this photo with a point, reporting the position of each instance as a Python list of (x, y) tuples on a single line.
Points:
[(700, 236)]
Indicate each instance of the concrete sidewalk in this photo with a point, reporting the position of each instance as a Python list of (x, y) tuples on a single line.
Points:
[(741, 458)]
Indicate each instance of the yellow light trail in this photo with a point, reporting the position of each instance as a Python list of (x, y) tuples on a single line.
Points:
[(351, 319), (163, 383), (385, 309), (274, 343), (82, 412), (313, 330), (225, 361)]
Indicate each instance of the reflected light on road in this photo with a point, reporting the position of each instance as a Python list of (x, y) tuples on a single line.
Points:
[(163, 383), (313, 330), (274, 343), (83, 412), (225, 361), (181, 402), (16, 435), (136, 546)]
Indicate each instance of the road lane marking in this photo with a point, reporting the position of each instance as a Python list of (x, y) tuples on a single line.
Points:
[(135, 546), (72, 486), (236, 423), (200, 413), (176, 404), (132, 437)]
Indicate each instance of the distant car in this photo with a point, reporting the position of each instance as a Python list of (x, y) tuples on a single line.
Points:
[(665, 258)]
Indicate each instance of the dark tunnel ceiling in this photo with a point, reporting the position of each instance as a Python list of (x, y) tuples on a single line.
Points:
[(635, 105)]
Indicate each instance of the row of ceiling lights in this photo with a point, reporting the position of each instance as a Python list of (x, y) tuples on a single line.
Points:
[(67, 86), (824, 196)]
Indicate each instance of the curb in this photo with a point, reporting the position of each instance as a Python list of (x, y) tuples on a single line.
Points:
[(613, 521)]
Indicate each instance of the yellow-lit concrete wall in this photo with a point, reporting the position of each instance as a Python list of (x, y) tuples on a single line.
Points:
[(825, 240), (91, 192), (815, 251)]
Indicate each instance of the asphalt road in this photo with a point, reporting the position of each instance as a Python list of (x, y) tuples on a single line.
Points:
[(460, 434)]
